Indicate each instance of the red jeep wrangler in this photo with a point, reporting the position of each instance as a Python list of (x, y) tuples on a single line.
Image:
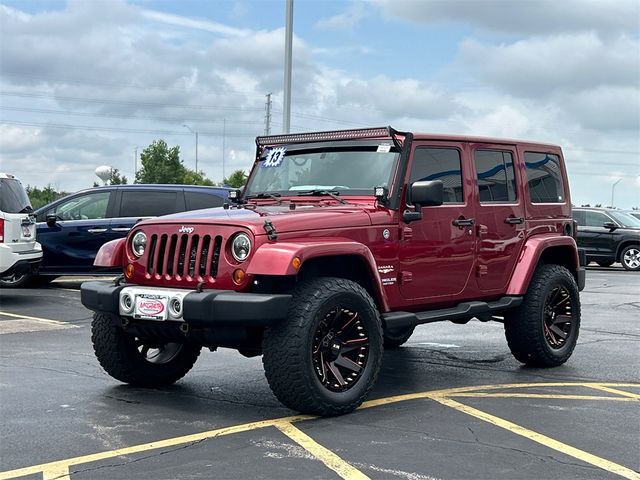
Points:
[(341, 243)]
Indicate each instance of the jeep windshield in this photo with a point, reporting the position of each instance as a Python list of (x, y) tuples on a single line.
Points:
[(340, 170)]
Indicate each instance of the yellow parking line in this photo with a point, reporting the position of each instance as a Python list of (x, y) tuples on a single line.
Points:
[(36, 319), (143, 447), (615, 391), (58, 472), (544, 395), (330, 459), (541, 439)]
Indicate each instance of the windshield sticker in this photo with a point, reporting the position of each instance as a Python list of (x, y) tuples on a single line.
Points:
[(274, 157), (384, 148)]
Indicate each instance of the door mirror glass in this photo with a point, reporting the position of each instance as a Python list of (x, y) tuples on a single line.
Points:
[(427, 193), (51, 219)]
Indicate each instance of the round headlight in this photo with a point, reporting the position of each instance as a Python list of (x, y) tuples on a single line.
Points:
[(241, 247), (138, 243)]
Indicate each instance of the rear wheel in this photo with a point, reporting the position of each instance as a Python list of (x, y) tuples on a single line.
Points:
[(543, 331), (394, 337), (137, 361), (325, 357), (16, 280), (630, 258)]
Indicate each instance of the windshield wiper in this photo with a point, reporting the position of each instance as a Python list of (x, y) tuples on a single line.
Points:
[(275, 196), (318, 193)]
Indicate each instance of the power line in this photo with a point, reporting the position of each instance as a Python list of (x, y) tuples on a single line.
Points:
[(124, 102)]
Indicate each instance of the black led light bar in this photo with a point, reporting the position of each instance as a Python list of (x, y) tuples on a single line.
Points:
[(324, 136)]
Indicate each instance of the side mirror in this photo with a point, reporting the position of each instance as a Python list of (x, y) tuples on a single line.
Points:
[(427, 193), (610, 225), (52, 219)]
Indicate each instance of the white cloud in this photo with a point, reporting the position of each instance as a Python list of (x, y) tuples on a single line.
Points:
[(347, 20)]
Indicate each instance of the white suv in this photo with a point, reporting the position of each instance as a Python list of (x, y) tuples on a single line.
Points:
[(19, 251)]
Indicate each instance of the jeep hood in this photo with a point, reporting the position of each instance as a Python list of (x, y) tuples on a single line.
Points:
[(304, 217)]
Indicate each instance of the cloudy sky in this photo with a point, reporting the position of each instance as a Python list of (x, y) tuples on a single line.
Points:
[(84, 83)]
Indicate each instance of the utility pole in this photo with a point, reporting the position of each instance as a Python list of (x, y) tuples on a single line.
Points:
[(193, 131), (288, 48), (613, 187), (224, 138), (267, 116), (135, 164)]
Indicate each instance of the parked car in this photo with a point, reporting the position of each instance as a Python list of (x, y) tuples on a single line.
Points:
[(634, 213), (72, 229), (20, 254), (341, 243), (609, 236)]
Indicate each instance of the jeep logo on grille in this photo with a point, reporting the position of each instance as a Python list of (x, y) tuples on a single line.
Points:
[(184, 229)]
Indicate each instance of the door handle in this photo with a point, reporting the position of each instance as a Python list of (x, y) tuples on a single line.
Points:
[(97, 230), (514, 220), (463, 222), (121, 229)]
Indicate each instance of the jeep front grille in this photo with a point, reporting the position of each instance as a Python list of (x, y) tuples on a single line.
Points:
[(184, 255)]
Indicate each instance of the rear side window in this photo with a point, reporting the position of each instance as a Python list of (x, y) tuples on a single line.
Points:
[(148, 203), (439, 164), (13, 198), (544, 177), (496, 179), (198, 200)]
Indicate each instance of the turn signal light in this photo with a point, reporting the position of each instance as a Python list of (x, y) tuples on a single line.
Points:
[(296, 262), (238, 276), (128, 271)]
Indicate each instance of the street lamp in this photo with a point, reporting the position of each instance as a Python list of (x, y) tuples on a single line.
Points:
[(613, 187), (193, 131)]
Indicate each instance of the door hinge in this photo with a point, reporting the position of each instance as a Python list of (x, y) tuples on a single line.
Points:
[(406, 277), (407, 233), (482, 270)]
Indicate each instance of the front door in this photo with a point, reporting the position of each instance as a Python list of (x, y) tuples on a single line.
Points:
[(437, 252), (499, 215)]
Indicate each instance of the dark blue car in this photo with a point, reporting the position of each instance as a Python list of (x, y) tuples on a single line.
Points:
[(72, 229)]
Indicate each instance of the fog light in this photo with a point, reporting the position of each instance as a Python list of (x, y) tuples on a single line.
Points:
[(126, 302), (296, 262), (238, 276), (175, 307), (128, 272)]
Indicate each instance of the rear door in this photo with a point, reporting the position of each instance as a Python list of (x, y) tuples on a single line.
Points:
[(499, 215)]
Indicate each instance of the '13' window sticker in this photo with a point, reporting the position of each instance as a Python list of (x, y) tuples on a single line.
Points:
[(274, 157)]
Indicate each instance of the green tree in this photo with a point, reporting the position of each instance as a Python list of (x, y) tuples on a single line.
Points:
[(39, 197), (116, 178), (161, 164), (236, 180)]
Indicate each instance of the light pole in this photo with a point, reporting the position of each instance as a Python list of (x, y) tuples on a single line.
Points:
[(613, 187), (288, 48), (224, 141), (135, 164), (193, 131)]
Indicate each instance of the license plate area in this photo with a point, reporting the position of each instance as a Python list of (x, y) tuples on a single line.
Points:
[(150, 306)]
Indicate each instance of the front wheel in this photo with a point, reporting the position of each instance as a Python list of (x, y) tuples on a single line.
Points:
[(630, 258), (543, 330), (137, 361), (325, 357)]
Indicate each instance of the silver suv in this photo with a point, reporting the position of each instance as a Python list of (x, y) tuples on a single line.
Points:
[(19, 251)]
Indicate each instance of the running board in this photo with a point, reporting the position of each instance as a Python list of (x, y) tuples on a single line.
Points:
[(464, 310)]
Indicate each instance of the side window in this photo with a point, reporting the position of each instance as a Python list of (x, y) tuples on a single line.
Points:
[(198, 200), (596, 219), (439, 164), (148, 203), (84, 207), (496, 179), (544, 177), (579, 217)]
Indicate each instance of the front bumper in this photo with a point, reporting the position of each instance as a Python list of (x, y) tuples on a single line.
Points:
[(206, 308)]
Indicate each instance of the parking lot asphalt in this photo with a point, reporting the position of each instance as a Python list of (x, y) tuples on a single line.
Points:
[(451, 404)]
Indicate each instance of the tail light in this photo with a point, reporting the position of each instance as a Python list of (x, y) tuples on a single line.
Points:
[(1, 230)]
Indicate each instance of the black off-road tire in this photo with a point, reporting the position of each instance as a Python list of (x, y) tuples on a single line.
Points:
[(605, 263), (630, 258), (527, 327), (395, 337), (297, 372), (121, 355)]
